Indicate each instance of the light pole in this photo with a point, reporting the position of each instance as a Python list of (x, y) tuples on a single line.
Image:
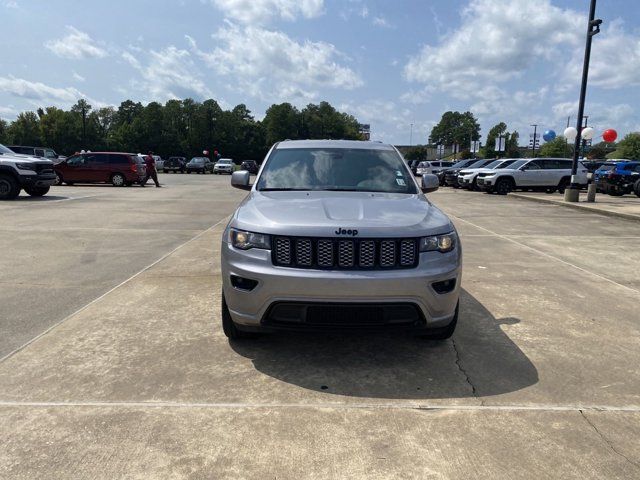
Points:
[(572, 192), (411, 136), (535, 133)]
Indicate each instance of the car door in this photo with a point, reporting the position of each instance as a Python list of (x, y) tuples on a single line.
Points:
[(75, 169), (95, 167), (531, 175)]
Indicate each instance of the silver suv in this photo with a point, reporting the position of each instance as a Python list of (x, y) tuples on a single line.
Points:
[(546, 174), (17, 172), (337, 234)]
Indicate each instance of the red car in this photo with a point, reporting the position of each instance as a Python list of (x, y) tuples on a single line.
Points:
[(119, 169)]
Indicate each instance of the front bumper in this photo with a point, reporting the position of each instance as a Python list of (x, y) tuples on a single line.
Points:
[(37, 180), (484, 183), (293, 285)]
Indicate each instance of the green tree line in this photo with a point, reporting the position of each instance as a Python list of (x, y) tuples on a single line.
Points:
[(179, 127)]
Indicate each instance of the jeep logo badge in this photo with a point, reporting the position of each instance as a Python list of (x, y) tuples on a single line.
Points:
[(344, 231)]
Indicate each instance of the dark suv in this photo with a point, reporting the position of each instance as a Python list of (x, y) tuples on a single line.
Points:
[(250, 166), (618, 178), (451, 174), (175, 164), (40, 152), (119, 169)]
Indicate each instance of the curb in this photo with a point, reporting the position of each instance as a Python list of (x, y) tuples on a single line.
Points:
[(578, 206)]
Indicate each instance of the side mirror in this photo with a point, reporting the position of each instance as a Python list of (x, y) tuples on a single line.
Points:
[(429, 183), (240, 179)]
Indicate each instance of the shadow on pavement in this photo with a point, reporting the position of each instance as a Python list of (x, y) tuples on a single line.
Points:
[(45, 198), (399, 366)]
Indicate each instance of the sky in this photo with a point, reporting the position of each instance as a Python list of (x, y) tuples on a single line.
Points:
[(395, 64)]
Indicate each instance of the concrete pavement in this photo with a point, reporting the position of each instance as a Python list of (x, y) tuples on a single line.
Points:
[(541, 380)]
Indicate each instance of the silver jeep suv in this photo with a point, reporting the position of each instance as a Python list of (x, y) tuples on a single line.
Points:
[(338, 235)]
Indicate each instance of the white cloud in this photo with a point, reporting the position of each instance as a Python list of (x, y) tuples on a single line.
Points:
[(11, 4), (261, 12), (380, 21), (615, 59), (167, 74), (78, 77), (496, 42), (76, 45), (39, 92), (270, 65)]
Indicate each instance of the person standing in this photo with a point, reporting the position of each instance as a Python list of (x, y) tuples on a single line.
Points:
[(151, 170)]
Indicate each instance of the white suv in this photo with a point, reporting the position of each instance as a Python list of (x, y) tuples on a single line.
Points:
[(545, 174)]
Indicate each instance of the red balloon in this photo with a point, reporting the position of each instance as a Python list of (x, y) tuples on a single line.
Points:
[(610, 135)]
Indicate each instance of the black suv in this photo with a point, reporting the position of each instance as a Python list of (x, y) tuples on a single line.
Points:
[(450, 175), (250, 166), (175, 164)]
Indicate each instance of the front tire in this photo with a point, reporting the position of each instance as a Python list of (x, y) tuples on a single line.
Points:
[(9, 187), (59, 179), (503, 186), (636, 188), (118, 180), (37, 191), (229, 328)]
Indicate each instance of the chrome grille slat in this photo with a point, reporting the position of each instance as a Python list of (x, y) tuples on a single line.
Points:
[(345, 254)]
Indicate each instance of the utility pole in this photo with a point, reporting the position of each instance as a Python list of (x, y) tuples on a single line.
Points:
[(572, 193), (84, 125), (411, 136), (535, 132)]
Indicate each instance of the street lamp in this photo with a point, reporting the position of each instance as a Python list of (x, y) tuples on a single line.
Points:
[(571, 193)]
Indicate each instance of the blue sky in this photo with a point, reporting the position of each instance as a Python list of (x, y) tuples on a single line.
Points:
[(390, 63)]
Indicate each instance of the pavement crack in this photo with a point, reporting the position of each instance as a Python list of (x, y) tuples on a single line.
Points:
[(604, 439), (464, 372)]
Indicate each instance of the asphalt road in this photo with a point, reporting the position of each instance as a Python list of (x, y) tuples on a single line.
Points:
[(541, 379)]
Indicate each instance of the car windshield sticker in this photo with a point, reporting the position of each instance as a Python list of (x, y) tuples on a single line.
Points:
[(400, 181), (398, 173)]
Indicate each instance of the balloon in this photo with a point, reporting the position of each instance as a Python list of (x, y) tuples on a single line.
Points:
[(205, 152), (588, 133), (549, 135), (610, 135), (570, 133)]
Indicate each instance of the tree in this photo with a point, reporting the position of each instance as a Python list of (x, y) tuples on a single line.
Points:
[(4, 133), (629, 146), (557, 148), (282, 121), (600, 150), (456, 128), (417, 152), (25, 130)]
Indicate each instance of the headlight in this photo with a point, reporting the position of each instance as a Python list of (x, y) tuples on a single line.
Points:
[(26, 166), (246, 240), (441, 243)]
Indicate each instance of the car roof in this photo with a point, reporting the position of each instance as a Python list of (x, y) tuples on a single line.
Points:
[(351, 144)]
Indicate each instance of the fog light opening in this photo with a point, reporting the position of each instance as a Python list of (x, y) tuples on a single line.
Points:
[(444, 286), (241, 283)]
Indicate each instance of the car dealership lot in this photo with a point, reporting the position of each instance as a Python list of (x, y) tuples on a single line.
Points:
[(541, 379)]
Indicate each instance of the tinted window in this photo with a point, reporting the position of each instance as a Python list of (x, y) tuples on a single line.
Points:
[(515, 165), (118, 159), (366, 170), (505, 164), (75, 160), (533, 166), (50, 154), (5, 150)]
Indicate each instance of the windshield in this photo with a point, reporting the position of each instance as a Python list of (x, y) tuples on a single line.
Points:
[(460, 164), (606, 168), (494, 164), (197, 160), (224, 162), (505, 164), (336, 169), (515, 165), (5, 150)]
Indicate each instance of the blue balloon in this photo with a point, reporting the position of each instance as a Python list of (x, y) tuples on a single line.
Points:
[(549, 135)]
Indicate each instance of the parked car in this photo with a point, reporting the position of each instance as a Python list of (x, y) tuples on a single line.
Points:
[(224, 165), (200, 165), (456, 166), (250, 166), (40, 152), (288, 263), (451, 174), (440, 165), (118, 168), (618, 178), (159, 162), (543, 174), (467, 177), (423, 168), (175, 164), (18, 171), (413, 166)]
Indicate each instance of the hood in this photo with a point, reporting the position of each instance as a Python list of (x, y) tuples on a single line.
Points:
[(321, 214), (475, 170), (18, 157)]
